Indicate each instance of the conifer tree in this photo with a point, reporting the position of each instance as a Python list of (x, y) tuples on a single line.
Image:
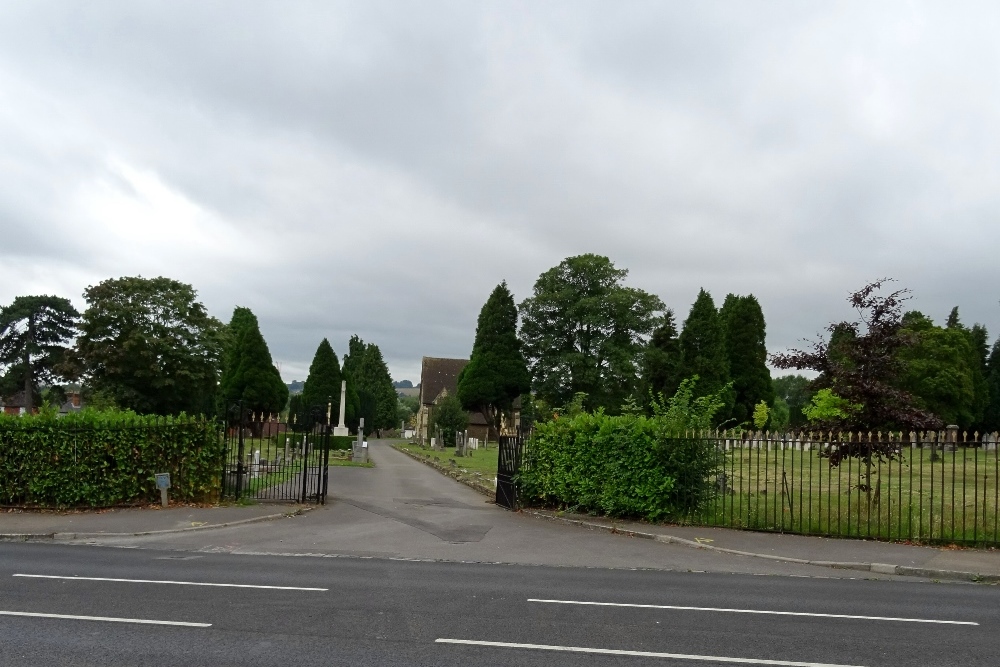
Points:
[(249, 374), (496, 373), (661, 362), (366, 370), (746, 354), (34, 331), (703, 351), (322, 387), (991, 417), (976, 361)]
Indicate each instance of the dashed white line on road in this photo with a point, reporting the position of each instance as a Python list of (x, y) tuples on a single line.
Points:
[(176, 583), (107, 619), (756, 611), (640, 654)]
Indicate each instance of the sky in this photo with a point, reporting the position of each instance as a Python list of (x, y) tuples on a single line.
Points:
[(377, 168)]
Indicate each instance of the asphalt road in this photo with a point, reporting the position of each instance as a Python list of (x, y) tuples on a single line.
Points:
[(377, 611)]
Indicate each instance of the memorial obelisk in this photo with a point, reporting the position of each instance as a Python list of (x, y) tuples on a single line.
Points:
[(341, 429)]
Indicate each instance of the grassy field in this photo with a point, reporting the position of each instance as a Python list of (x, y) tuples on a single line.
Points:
[(953, 499), (481, 460)]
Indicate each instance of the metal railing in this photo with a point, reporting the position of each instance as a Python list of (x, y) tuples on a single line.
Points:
[(934, 487)]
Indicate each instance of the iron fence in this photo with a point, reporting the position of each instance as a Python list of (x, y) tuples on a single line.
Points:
[(934, 487), (268, 459)]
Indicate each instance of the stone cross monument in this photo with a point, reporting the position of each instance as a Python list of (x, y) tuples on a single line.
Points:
[(341, 429)]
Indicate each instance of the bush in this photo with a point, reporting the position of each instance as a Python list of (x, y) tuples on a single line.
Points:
[(629, 465), (103, 459)]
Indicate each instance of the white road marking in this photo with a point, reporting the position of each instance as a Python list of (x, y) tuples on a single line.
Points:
[(107, 619), (640, 654), (757, 611), (176, 583)]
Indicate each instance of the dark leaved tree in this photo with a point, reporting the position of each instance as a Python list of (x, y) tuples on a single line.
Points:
[(34, 331), (703, 350), (746, 355), (496, 373), (661, 362), (249, 375)]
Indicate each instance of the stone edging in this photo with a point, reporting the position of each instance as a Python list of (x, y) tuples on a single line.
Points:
[(450, 472), (878, 568), (64, 537)]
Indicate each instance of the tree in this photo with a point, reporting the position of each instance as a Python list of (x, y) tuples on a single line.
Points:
[(365, 368), (976, 362), (322, 387), (661, 361), (149, 345), (34, 331), (248, 373), (744, 332), (703, 350), (449, 416), (991, 416), (938, 370), (497, 372), (865, 365), (794, 391), (583, 331)]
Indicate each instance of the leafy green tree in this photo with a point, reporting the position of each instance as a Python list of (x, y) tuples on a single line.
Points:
[(744, 331), (496, 373), (34, 331), (779, 415), (938, 369), (365, 368), (248, 373), (584, 331), (703, 349), (826, 407), (794, 391), (150, 346), (449, 416), (322, 386), (661, 361)]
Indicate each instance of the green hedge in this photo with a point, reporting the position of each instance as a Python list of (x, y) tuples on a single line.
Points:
[(103, 459), (630, 465), (342, 441)]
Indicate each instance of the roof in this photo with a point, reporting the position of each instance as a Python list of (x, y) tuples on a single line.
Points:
[(437, 375)]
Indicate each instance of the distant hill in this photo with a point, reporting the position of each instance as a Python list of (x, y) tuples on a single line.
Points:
[(295, 386), (403, 384)]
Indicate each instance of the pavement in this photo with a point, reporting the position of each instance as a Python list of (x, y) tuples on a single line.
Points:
[(403, 509)]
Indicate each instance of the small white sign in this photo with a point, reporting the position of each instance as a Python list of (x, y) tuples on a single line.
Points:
[(364, 444)]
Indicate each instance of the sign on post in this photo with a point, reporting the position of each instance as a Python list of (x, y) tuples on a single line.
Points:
[(163, 483)]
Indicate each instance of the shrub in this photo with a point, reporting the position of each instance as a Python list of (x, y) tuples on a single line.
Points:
[(628, 465), (103, 459)]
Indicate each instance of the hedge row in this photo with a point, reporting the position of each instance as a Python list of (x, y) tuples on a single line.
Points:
[(630, 465), (103, 459)]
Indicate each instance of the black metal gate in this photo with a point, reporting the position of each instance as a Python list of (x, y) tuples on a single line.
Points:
[(511, 458), (267, 459)]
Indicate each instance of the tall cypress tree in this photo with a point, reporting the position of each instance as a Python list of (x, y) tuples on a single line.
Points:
[(497, 372), (991, 417), (746, 353), (322, 386), (249, 374), (365, 369), (703, 351), (661, 361), (977, 337)]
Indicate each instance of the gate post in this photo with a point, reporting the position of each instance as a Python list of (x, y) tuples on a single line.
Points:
[(240, 452)]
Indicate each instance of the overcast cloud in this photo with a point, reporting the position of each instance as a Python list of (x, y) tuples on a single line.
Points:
[(378, 167)]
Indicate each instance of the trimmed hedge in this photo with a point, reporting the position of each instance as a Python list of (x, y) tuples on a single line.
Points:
[(103, 459), (342, 442), (629, 465)]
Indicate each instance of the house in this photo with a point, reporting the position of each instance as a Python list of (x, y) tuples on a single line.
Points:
[(439, 378)]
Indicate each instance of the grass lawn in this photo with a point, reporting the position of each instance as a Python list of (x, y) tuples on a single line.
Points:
[(481, 460), (952, 499)]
